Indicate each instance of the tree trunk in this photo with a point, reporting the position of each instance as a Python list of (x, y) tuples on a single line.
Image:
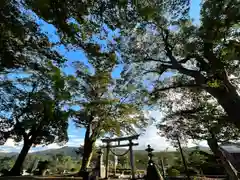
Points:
[(87, 155), (89, 143), (16, 169), (228, 97), (212, 143), (183, 159)]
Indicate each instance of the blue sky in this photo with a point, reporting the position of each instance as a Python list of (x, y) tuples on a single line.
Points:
[(76, 135)]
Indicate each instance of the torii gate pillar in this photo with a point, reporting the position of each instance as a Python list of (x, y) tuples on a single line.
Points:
[(132, 158), (107, 155), (130, 145)]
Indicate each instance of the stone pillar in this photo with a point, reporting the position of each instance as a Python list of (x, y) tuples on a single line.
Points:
[(106, 166), (35, 165), (99, 163), (163, 168), (115, 164), (132, 159)]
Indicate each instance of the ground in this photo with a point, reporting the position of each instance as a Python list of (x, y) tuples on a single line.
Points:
[(35, 178)]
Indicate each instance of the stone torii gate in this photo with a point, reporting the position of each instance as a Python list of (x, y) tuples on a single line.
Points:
[(108, 142)]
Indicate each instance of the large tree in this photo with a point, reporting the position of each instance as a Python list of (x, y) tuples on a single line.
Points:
[(23, 46), (205, 121), (33, 109), (203, 55), (90, 15), (106, 105), (21, 38)]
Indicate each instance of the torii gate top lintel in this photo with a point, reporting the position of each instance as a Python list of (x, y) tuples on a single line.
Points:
[(120, 139)]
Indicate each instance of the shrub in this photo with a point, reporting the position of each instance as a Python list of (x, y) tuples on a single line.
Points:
[(173, 172)]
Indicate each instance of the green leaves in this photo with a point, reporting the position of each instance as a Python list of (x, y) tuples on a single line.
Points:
[(147, 12), (200, 57), (21, 41), (105, 104), (214, 83), (37, 112), (198, 123)]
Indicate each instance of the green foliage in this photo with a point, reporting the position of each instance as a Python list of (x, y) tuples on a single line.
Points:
[(24, 52), (21, 39), (6, 163), (156, 37), (35, 104), (42, 166), (173, 172), (103, 104), (201, 57), (198, 122), (33, 108), (77, 20), (197, 160), (60, 162)]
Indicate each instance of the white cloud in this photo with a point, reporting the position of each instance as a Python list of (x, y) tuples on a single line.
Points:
[(152, 138), (157, 142), (72, 136), (11, 146), (53, 146), (41, 148), (6, 150), (157, 115), (76, 142), (10, 143)]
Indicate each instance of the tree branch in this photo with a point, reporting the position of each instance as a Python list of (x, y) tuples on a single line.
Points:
[(174, 62), (184, 60), (160, 72), (156, 60), (174, 87), (151, 59)]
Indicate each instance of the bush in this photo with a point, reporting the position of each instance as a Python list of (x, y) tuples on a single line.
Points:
[(173, 172), (140, 171), (73, 169), (4, 172)]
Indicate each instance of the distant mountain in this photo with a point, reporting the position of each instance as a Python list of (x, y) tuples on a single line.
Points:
[(201, 148), (8, 154), (67, 151), (71, 151)]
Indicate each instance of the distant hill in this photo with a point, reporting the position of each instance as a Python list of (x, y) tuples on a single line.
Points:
[(8, 154), (67, 151), (71, 151), (201, 148)]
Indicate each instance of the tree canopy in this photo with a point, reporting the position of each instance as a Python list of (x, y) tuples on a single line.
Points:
[(106, 105), (21, 39), (200, 56), (206, 121), (33, 108), (199, 123)]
